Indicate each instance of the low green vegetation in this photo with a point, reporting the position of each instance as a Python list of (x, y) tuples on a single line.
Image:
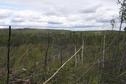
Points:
[(37, 54)]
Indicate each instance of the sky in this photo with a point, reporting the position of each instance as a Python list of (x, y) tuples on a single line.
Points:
[(59, 14)]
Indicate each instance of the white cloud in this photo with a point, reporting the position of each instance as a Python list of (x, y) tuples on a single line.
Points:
[(60, 13), (4, 13)]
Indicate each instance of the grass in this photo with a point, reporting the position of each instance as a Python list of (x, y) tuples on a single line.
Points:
[(29, 47)]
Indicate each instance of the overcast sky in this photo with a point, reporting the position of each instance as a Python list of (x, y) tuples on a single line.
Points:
[(59, 14)]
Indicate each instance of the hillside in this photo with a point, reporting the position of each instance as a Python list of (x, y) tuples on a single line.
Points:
[(37, 54)]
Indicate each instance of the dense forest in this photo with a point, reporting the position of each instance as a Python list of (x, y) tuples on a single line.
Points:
[(35, 55)]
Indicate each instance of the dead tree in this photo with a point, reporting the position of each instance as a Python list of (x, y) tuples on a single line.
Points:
[(61, 57), (75, 48), (46, 56), (8, 55), (122, 12), (82, 51), (103, 53), (113, 24)]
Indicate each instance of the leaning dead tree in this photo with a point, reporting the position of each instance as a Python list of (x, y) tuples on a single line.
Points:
[(62, 66)]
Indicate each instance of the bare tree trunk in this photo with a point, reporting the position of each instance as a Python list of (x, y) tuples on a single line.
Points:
[(8, 56), (82, 52), (99, 71), (76, 61), (46, 58), (61, 57), (122, 13), (103, 54), (75, 48)]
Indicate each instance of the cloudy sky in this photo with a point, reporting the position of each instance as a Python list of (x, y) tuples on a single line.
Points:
[(59, 14)]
